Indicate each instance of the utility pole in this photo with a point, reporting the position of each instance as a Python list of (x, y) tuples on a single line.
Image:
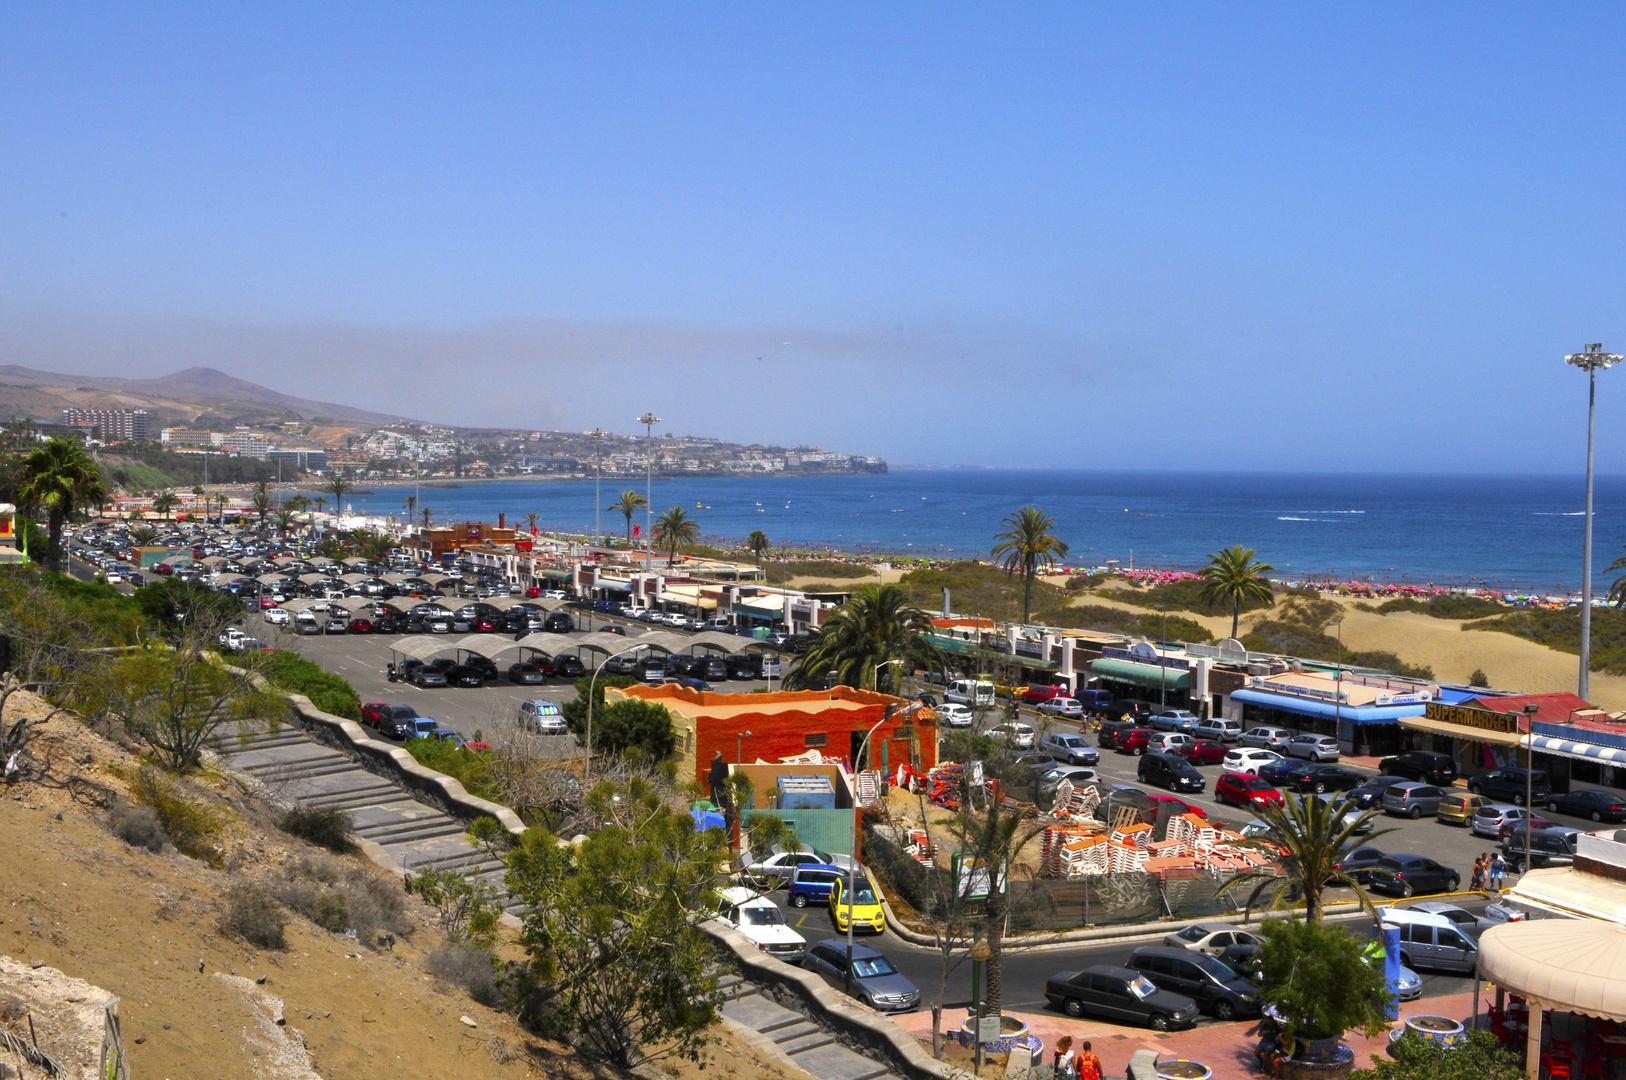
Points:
[(597, 435), (1591, 360), (649, 420)]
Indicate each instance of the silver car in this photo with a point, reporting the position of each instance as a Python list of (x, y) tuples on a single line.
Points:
[(1070, 748), (1077, 775), (1489, 820), (1412, 799), (1313, 747), (1065, 707), (1267, 738)]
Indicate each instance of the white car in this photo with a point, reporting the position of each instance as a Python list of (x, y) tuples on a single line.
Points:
[(1210, 938), (956, 715), (1020, 735), (1065, 707), (276, 617), (1249, 761), (1169, 743), (760, 920)]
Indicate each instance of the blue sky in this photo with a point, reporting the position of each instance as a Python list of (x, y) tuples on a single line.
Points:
[(1275, 237)]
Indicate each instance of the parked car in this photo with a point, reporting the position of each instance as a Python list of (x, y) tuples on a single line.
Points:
[(1171, 772), (1588, 803), (1237, 789), (1408, 875), (1436, 769), (569, 666), (1370, 792), (1249, 760), (277, 617), (400, 722), (810, 884), (1064, 707), (1129, 709), (774, 870), (1204, 752), (1168, 742), (1358, 864), (1121, 994), (1035, 695), (1431, 941), (1173, 720), (874, 981), (1214, 986), (1457, 806), (543, 717), (1548, 847), (1312, 747), (1412, 799), (1077, 775), (423, 675), (760, 920), (1133, 741), (1070, 748), (1219, 729), (1508, 785), (1469, 923), (1018, 734), (865, 908), (372, 711), (1210, 937), (1037, 762), (1319, 778), (954, 715), (557, 622), (1106, 736), (1498, 821), (1266, 737)]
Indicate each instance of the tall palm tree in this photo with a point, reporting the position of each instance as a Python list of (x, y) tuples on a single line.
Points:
[(1315, 837), (629, 504), (1028, 543), (876, 625), (1617, 590), (339, 485), (284, 516), (411, 507), (261, 500), (220, 506), (202, 497), (758, 543), (530, 521), (676, 529), (59, 478), (427, 514), (165, 502), (1234, 577), (143, 535)]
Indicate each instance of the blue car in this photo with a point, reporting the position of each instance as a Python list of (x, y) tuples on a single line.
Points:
[(811, 883), (1276, 771)]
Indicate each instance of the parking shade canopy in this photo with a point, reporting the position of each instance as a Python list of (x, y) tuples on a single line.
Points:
[(1573, 965)]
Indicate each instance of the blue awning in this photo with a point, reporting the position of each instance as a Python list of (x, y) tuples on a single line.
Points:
[(1579, 750), (1306, 706)]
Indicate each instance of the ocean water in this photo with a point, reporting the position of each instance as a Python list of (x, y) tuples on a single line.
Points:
[(1511, 532)]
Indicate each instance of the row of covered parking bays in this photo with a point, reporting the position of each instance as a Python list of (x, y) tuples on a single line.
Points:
[(593, 649)]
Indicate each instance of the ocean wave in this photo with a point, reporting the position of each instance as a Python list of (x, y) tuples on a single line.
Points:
[(1558, 513), (1286, 518)]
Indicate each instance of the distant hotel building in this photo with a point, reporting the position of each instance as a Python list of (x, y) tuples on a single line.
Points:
[(112, 423), (186, 437)]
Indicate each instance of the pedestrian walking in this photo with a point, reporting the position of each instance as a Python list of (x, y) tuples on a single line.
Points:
[(1064, 1058), (1481, 864), (1088, 1066), (1498, 870)]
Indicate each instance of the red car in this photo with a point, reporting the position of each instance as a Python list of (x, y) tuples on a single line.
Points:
[(1242, 790), (1035, 694), (361, 626), (371, 711), (267, 602), (1134, 741), (1205, 752), (1180, 806), (532, 593)]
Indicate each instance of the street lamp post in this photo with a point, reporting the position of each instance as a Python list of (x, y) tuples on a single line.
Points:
[(852, 868), (597, 435), (649, 420), (1591, 360), (1529, 771), (739, 748), (587, 766), (876, 682), (1162, 669)]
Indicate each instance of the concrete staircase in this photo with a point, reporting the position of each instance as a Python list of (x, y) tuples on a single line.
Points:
[(804, 1042), (302, 771)]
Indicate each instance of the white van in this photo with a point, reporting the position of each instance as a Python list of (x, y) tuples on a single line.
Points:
[(970, 692)]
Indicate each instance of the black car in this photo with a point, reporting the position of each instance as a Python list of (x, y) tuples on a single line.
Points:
[(526, 674), (558, 623), (484, 666), (1319, 778), (712, 667), (1119, 994), (464, 675), (1507, 785), (1107, 736), (1358, 864), (1214, 986), (569, 666), (686, 666), (386, 624), (1436, 769), (1597, 805), (1409, 875), (1130, 709), (1548, 847), (396, 720), (1170, 771), (1370, 793)]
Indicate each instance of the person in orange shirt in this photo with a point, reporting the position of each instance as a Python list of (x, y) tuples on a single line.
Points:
[(1087, 1064)]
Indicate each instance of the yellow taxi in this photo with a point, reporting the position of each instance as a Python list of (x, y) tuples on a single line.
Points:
[(866, 905)]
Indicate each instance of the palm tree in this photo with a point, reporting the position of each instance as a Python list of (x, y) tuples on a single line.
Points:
[(202, 497), (1027, 544), (143, 535), (284, 516), (411, 507), (1235, 578), (1314, 837), (427, 514), (629, 504), (58, 478), (220, 505), (530, 521), (758, 543), (1617, 590), (165, 502), (321, 503), (675, 529), (261, 500), (877, 625), (339, 484)]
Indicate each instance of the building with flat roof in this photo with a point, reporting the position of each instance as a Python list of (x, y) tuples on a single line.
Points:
[(112, 423)]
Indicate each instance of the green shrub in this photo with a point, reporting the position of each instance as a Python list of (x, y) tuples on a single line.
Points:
[(781, 572), (339, 897), (1479, 678), (1183, 595), (465, 766), (1446, 607), (329, 692), (322, 826), (191, 828), (634, 726), (1119, 621), (575, 710), (254, 916), (1561, 630)]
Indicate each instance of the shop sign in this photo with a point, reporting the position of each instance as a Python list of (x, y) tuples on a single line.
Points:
[(1421, 697), (1471, 718)]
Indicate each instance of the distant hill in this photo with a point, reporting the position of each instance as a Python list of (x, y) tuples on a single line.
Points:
[(177, 400)]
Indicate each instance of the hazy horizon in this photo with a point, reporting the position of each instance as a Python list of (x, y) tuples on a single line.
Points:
[(1355, 240)]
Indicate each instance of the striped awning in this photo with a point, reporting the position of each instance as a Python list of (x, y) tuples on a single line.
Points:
[(1582, 751)]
